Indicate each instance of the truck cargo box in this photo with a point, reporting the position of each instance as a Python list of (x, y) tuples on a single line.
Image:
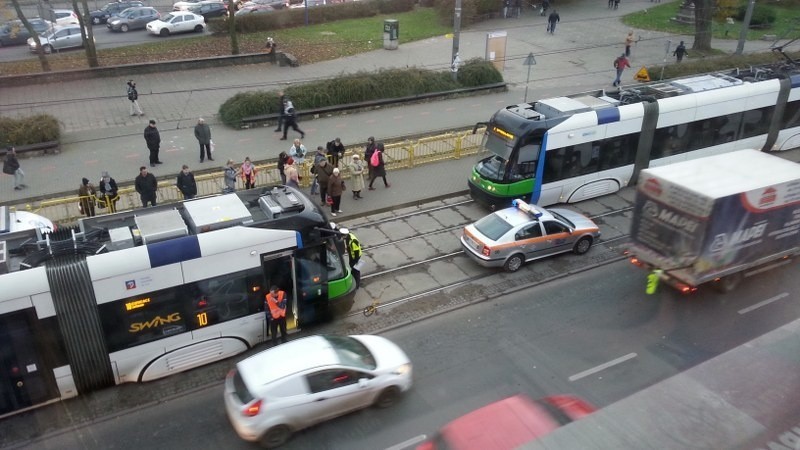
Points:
[(709, 217)]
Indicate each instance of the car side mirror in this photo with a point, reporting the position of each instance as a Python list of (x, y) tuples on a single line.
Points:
[(363, 382)]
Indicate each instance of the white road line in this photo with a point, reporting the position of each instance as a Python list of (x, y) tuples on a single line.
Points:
[(408, 443), (603, 366), (765, 302)]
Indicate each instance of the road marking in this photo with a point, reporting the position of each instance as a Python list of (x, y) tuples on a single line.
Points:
[(408, 443), (603, 366), (764, 303)]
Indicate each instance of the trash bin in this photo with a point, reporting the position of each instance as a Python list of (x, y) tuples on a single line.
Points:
[(391, 34)]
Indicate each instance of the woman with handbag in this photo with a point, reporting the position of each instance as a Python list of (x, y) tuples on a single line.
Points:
[(335, 189)]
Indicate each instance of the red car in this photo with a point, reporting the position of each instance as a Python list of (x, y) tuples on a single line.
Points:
[(509, 423)]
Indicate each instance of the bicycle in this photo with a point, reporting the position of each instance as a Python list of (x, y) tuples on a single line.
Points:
[(372, 308)]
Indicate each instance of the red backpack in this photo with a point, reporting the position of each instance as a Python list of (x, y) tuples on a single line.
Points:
[(375, 159)]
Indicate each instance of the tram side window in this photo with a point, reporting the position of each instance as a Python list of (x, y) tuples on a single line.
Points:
[(670, 141), (791, 115), (617, 151), (224, 298), (334, 260), (756, 121)]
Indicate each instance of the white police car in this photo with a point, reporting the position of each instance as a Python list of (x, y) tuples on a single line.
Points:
[(512, 236)]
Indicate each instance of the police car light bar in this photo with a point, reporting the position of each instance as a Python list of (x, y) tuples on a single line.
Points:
[(525, 207)]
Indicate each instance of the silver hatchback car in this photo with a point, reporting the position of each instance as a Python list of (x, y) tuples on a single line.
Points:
[(60, 37), (272, 394)]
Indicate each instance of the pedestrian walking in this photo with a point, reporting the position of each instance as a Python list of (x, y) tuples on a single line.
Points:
[(335, 150), (506, 8), (153, 139), (11, 167), (324, 172), (357, 174), (202, 132), (86, 198), (368, 151), (147, 186), (248, 172), (271, 49), (230, 177), (292, 177), (335, 190), (290, 120), (108, 192), (680, 52), (276, 305), (545, 7), (552, 19), (186, 183), (616, 4), (283, 159), (354, 256), (620, 64), (378, 165), (281, 111), (133, 96), (628, 42)]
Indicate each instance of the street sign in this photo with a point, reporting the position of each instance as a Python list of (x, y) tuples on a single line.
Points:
[(642, 75), (530, 60)]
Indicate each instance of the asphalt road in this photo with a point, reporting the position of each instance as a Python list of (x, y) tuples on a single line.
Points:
[(545, 340)]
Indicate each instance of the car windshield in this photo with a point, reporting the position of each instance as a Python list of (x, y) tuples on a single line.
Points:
[(493, 226), (167, 18), (351, 352)]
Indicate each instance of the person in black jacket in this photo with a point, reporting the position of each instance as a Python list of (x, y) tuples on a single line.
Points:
[(153, 139), (133, 96), (281, 111), (146, 186), (336, 151), (186, 183)]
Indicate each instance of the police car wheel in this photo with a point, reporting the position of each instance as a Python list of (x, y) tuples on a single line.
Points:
[(583, 245), (514, 263)]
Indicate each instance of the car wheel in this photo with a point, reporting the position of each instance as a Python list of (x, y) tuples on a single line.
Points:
[(95, 21), (275, 436), (388, 397), (583, 245), (198, 28), (124, 28), (164, 32), (514, 263), (47, 49)]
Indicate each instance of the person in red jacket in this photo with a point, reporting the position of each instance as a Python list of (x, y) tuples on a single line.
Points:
[(620, 64), (276, 306)]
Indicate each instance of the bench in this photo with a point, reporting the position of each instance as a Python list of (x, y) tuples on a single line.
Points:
[(287, 59), (43, 147)]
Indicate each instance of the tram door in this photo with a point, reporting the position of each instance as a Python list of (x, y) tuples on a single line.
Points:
[(312, 283), (24, 378), (279, 271)]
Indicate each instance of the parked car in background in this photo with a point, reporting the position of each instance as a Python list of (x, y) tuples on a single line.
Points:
[(209, 10), (295, 385), (133, 19), (68, 36), (303, 3), (185, 4), (254, 9), (65, 17), (275, 4), (15, 33), (103, 14), (177, 22)]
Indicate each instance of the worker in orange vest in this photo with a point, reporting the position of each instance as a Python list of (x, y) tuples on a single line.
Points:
[(276, 302)]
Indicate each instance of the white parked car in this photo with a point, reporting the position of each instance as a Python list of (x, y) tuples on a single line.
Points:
[(65, 17), (188, 4), (177, 22), (272, 394)]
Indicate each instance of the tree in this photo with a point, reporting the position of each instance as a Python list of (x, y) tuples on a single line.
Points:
[(232, 27), (87, 33), (39, 50), (703, 16)]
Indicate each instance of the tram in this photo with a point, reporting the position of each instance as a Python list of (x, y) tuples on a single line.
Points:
[(140, 295), (569, 149)]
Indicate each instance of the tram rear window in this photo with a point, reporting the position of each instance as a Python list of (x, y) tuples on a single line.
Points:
[(493, 227)]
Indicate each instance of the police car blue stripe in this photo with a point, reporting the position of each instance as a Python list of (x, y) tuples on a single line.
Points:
[(607, 115), (173, 251)]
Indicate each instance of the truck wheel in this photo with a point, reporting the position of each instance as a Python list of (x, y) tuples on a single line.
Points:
[(514, 263), (275, 436), (729, 283), (583, 245)]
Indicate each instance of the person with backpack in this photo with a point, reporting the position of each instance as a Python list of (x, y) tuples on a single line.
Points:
[(368, 154), (620, 64), (552, 19), (133, 96), (336, 151), (378, 166)]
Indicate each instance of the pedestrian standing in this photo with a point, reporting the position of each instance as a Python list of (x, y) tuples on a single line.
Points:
[(153, 139), (357, 173), (506, 8), (336, 151), (368, 151), (11, 167), (283, 158), (354, 254), (230, 177), (298, 152), (202, 132), (318, 156), (86, 198), (108, 192), (186, 183), (378, 165), (133, 96), (276, 305), (292, 177), (281, 111), (271, 49), (616, 4), (147, 186), (680, 52), (335, 190), (324, 172), (290, 120), (552, 19), (620, 64), (628, 42), (248, 172)]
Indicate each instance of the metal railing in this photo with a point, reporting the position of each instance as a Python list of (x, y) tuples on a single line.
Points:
[(403, 154)]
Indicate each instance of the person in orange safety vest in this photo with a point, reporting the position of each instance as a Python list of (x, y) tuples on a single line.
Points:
[(276, 302)]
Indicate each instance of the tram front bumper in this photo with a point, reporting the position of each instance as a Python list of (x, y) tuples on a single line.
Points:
[(485, 198)]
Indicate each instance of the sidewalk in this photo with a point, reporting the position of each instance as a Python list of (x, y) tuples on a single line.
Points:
[(100, 135)]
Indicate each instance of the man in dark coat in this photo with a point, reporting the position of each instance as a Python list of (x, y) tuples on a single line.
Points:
[(202, 132), (552, 19), (336, 151), (146, 186), (153, 140), (186, 183)]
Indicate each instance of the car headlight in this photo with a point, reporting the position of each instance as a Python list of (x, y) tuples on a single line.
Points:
[(402, 370)]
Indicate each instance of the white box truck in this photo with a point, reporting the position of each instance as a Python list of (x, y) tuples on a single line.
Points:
[(714, 219)]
